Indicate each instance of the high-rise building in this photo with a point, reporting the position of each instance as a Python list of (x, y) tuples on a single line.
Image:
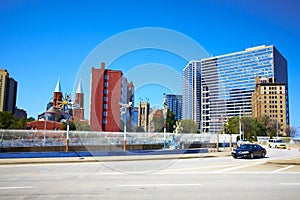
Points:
[(174, 103), (109, 89), (269, 99), (8, 92), (191, 92), (228, 82)]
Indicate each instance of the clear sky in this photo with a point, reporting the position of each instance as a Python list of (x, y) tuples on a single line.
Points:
[(42, 40)]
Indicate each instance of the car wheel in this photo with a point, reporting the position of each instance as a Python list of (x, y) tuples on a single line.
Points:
[(263, 155), (275, 146), (251, 155)]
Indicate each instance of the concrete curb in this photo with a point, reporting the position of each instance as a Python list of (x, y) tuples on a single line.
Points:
[(15, 161)]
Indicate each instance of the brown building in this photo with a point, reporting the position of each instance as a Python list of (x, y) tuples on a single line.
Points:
[(109, 89), (269, 98)]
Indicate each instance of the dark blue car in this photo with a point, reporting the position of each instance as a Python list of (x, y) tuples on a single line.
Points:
[(249, 151)]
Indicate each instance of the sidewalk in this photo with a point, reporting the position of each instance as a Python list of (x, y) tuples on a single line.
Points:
[(111, 158)]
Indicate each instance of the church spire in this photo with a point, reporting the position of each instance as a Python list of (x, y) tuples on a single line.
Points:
[(58, 87), (79, 88)]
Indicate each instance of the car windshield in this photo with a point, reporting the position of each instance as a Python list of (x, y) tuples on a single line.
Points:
[(278, 141), (245, 146)]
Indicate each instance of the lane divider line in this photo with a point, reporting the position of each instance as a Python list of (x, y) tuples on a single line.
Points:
[(283, 169)]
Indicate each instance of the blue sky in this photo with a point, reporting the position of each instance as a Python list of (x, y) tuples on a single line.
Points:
[(41, 40)]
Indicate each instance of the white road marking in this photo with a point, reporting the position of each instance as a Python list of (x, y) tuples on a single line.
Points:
[(197, 168), (282, 169), (160, 185), (15, 187), (290, 184), (231, 168), (237, 167)]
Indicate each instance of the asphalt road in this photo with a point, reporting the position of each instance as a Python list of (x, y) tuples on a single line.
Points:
[(196, 178)]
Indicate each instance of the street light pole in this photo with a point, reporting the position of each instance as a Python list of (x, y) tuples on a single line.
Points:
[(165, 110), (68, 129), (240, 125), (125, 106), (45, 126)]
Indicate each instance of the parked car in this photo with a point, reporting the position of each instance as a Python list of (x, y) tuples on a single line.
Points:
[(276, 143), (243, 141), (249, 151)]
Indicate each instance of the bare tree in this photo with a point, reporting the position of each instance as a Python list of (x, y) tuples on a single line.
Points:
[(291, 131)]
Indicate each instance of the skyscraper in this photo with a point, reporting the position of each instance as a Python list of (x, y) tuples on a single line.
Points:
[(191, 92), (174, 103), (109, 89), (228, 82), (8, 92)]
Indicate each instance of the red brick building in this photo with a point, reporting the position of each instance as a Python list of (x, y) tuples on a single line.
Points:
[(109, 88), (78, 112)]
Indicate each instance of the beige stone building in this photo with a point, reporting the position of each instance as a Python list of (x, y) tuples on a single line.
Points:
[(269, 98), (143, 115)]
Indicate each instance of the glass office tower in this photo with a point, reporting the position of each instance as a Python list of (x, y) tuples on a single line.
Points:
[(174, 103), (228, 82), (191, 98)]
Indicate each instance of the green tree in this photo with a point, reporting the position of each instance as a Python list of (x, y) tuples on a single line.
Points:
[(189, 126), (158, 121), (82, 126), (72, 126), (247, 126), (259, 129), (139, 129), (7, 120), (232, 126), (170, 122), (255, 137)]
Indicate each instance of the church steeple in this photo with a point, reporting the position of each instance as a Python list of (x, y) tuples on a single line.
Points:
[(58, 87), (79, 102), (79, 88), (57, 96)]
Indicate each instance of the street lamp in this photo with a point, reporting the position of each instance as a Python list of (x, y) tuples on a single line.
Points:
[(124, 112), (240, 127), (165, 110), (45, 126)]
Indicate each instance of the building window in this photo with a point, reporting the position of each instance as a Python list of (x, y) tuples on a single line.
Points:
[(105, 114), (105, 84), (105, 98), (106, 77), (104, 121), (105, 91), (105, 106)]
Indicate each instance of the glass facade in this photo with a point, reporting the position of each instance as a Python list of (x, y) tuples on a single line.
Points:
[(174, 103), (192, 92), (228, 81)]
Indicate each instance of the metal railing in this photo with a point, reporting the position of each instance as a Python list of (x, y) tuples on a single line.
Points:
[(58, 138)]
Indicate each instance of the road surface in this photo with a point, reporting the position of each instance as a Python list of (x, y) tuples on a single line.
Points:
[(197, 178)]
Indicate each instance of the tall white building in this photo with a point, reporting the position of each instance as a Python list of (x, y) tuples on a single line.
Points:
[(191, 92)]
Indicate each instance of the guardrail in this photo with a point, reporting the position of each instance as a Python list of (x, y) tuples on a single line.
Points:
[(23, 138)]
